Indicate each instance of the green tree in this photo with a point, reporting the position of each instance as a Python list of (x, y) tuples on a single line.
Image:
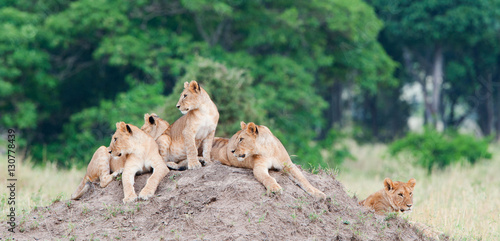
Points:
[(429, 38)]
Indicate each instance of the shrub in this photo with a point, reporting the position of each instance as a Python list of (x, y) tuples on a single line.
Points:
[(433, 149)]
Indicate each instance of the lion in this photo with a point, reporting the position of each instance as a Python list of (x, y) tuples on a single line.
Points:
[(394, 197), (255, 147), (154, 125), (141, 153), (99, 169), (194, 132)]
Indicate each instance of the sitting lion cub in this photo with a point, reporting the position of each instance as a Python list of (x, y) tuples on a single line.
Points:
[(141, 153), (99, 170), (193, 131), (394, 197), (255, 147)]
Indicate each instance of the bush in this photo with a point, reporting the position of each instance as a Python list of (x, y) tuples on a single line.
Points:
[(433, 149)]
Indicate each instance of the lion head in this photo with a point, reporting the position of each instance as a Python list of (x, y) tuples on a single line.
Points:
[(120, 142), (154, 125), (400, 194), (246, 141), (190, 97)]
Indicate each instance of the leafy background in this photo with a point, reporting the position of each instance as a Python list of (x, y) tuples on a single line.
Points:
[(316, 72)]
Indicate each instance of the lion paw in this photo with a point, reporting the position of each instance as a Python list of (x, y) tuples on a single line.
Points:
[(274, 188), (145, 195), (130, 199), (194, 164), (204, 161), (319, 195)]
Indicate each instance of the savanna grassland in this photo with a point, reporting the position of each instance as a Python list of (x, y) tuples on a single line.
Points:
[(37, 186), (462, 201)]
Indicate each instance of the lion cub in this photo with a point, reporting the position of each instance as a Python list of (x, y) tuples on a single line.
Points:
[(193, 131), (141, 153), (99, 170), (255, 147), (394, 197), (154, 126)]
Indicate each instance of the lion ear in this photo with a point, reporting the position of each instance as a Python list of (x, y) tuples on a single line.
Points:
[(129, 129), (243, 125), (151, 120), (252, 128), (186, 84), (388, 184), (146, 117), (194, 87), (412, 182), (120, 126)]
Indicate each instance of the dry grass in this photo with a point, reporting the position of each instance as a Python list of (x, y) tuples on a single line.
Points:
[(37, 186), (462, 201)]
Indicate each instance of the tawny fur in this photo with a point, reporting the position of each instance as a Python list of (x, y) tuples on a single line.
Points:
[(255, 147), (180, 142), (394, 197), (141, 152), (154, 125), (99, 169)]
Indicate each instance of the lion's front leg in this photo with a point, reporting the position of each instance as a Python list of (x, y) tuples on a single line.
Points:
[(128, 179), (160, 170), (300, 179), (191, 150), (261, 173), (207, 148)]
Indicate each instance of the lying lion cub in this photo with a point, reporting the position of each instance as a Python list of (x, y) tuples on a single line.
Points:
[(99, 170), (141, 153), (394, 197), (255, 147), (180, 142)]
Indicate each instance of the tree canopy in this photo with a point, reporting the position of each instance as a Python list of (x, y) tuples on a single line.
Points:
[(70, 69)]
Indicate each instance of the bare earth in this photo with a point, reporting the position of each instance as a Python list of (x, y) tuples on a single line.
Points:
[(213, 203)]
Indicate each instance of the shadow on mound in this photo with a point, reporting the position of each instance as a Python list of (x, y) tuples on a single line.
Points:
[(216, 203)]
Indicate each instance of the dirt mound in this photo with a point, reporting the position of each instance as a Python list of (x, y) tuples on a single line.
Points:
[(215, 203)]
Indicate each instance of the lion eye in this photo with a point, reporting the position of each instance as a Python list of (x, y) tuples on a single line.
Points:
[(115, 139), (401, 195), (241, 139), (185, 95), (411, 193)]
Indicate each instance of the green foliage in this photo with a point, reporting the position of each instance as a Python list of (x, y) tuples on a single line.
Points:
[(336, 150), (93, 127), (433, 149), (67, 69)]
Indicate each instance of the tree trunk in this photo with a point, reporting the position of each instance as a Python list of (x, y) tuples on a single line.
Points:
[(489, 106), (497, 108), (437, 84), (334, 112)]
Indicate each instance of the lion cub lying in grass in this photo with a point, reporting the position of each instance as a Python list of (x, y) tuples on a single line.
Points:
[(255, 147), (394, 197), (141, 153), (99, 169)]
